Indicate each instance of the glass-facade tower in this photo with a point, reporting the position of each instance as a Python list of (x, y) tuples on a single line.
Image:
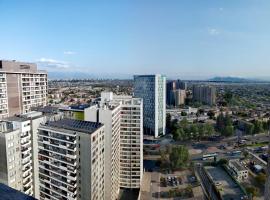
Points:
[(152, 89)]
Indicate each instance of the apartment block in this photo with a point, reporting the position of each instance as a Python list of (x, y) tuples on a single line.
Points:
[(123, 120), (22, 86), (71, 160), (204, 94), (131, 141), (11, 172), (176, 93), (152, 89), (109, 115)]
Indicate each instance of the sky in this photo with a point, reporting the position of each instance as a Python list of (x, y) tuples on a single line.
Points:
[(178, 38)]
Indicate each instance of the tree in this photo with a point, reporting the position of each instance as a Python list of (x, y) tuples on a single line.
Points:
[(211, 114), (183, 113), (220, 122), (178, 157), (227, 131), (260, 179), (194, 130), (253, 191), (164, 160), (209, 129), (249, 129), (258, 127), (202, 131), (222, 162), (178, 134)]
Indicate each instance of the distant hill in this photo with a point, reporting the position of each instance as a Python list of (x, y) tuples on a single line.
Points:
[(232, 79)]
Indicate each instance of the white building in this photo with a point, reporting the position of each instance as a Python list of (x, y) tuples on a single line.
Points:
[(239, 171), (71, 160), (152, 89), (122, 117), (131, 141), (22, 86), (11, 170)]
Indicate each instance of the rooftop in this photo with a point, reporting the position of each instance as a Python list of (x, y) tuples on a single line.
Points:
[(8, 193), (237, 165), (46, 109), (75, 125)]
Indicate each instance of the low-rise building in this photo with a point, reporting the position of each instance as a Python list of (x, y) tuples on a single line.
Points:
[(239, 171)]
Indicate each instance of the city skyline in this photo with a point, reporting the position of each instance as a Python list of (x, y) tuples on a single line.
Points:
[(185, 39)]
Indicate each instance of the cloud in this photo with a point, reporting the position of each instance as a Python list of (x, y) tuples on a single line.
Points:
[(213, 31), (221, 9), (52, 64), (70, 52)]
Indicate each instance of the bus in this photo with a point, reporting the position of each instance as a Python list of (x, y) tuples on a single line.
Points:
[(209, 156), (236, 153)]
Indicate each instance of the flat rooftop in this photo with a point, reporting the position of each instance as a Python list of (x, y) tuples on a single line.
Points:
[(75, 125), (237, 165), (230, 189), (46, 109), (8, 193)]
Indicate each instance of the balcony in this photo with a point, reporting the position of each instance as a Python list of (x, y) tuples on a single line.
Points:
[(26, 168), (72, 177)]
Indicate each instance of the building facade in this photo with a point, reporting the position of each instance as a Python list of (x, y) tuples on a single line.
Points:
[(176, 93), (131, 141), (71, 160), (22, 86), (123, 120), (204, 94), (10, 157), (239, 171), (152, 89)]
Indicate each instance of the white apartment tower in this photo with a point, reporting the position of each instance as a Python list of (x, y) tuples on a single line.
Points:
[(122, 117), (131, 141), (10, 156), (22, 86), (152, 89), (109, 115), (71, 160), (16, 156)]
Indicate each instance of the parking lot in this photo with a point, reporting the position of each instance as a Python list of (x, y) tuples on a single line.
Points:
[(177, 180)]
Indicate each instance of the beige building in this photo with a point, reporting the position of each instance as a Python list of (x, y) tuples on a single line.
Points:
[(71, 160), (22, 86)]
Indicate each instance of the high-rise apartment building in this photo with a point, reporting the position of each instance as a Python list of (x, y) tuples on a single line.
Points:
[(176, 93), (131, 141), (16, 156), (177, 97), (71, 160), (204, 94), (122, 117), (22, 86), (26, 127), (10, 156), (109, 115), (152, 89)]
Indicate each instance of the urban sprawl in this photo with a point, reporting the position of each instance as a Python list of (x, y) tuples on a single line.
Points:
[(146, 138)]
